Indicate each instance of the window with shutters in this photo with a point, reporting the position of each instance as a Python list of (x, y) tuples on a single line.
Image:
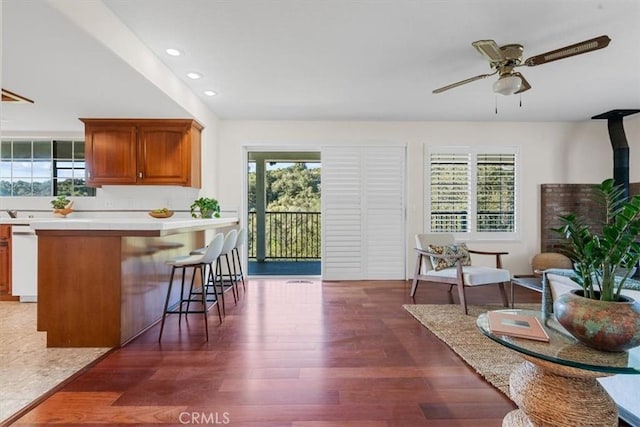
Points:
[(472, 192)]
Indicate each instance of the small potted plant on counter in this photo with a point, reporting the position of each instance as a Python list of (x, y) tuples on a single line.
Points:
[(62, 206), (205, 207)]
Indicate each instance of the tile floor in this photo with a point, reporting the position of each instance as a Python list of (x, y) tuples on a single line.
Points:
[(28, 369)]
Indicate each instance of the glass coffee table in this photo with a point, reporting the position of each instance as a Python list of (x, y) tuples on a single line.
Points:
[(533, 283), (556, 385)]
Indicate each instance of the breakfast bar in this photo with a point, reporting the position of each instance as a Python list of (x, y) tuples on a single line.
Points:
[(102, 282)]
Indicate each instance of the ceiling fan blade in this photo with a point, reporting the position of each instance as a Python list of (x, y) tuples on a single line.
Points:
[(490, 50), (463, 82), (525, 84), (8, 96), (567, 51)]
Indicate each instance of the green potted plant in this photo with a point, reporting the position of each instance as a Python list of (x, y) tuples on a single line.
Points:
[(60, 202), (205, 207), (597, 258), (62, 206)]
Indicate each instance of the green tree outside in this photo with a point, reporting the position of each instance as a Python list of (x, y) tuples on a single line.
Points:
[(292, 189)]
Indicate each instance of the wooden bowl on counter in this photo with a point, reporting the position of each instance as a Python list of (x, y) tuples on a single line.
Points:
[(165, 214), (62, 213)]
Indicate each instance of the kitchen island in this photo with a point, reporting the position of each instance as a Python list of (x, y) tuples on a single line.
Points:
[(102, 282)]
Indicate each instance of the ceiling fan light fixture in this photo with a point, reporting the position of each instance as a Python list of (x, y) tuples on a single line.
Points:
[(507, 85)]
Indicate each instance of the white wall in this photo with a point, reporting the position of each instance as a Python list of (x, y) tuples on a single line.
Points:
[(550, 153)]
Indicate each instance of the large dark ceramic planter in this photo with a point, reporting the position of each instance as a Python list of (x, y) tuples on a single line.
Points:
[(603, 325)]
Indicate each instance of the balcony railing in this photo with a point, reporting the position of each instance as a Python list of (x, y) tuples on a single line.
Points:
[(288, 236)]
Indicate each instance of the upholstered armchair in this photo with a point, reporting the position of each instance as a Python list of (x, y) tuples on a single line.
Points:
[(441, 260)]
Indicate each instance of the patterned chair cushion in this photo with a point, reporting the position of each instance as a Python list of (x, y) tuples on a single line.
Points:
[(452, 250)]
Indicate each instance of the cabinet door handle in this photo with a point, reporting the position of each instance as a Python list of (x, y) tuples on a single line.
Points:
[(139, 174)]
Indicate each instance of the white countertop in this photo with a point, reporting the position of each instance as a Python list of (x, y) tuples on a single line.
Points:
[(132, 224), (26, 221)]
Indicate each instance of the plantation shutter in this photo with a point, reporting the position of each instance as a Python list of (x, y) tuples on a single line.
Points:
[(341, 214), (385, 221), (363, 213), (495, 192), (449, 183)]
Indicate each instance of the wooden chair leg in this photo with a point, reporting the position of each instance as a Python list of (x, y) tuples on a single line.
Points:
[(416, 273), (463, 299), (505, 301), (460, 284)]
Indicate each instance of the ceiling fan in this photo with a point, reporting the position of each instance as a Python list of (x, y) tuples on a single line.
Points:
[(504, 59)]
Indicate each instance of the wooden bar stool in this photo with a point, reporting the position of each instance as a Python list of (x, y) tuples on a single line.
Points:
[(197, 263)]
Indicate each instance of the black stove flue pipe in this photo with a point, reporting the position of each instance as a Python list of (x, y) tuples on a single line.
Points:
[(619, 144)]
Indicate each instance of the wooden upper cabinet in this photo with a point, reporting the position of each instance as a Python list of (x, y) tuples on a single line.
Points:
[(163, 155), (110, 154), (143, 151)]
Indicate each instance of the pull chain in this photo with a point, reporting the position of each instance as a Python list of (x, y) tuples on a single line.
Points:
[(496, 104)]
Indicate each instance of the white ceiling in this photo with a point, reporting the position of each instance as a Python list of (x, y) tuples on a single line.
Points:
[(321, 60)]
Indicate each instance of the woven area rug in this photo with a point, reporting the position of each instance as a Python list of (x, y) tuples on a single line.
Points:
[(489, 359)]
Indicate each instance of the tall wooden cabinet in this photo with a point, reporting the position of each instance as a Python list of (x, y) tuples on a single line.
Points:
[(143, 151)]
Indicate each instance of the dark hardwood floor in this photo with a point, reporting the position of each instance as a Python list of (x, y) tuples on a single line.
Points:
[(290, 354)]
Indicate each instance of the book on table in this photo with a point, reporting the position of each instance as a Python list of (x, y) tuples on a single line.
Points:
[(516, 325)]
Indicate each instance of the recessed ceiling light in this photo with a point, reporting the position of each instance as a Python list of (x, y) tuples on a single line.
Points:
[(193, 75), (173, 52), (209, 93)]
